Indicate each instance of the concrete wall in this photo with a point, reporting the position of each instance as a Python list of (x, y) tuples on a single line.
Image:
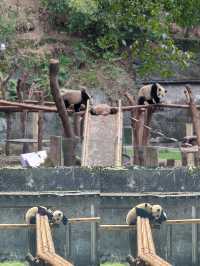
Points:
[(111, 193)]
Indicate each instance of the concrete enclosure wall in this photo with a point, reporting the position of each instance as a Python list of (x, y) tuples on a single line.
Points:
[(106, 193)]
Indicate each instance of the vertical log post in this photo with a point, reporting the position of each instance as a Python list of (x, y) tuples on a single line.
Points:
[(147, 121), (23, 114), (35, 130), (69, 241), (69, 149), (134, 124), (195, 118), (194, 239), (56, 152), (40, 122), (8, 133)]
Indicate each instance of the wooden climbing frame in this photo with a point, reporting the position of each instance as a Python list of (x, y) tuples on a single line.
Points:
[(45, 246)]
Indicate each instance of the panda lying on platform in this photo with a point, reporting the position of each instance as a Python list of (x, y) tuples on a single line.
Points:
[(154, 213), (103, 109), (151, 94), (55, 217), (75, 97)]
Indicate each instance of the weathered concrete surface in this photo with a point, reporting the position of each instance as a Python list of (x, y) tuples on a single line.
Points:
[(111, 193), (101, 180)]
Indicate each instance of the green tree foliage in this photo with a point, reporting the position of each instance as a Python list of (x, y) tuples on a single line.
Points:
[(7, 22), (184, 12), (137, 29)]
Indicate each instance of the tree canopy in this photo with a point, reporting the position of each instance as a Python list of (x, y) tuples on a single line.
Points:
[(137, 29)]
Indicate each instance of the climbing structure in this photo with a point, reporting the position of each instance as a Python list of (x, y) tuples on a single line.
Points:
[(45, 246), (146, 249), (102, 144)]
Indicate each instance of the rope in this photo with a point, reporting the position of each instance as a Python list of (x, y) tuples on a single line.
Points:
[(156, 131)]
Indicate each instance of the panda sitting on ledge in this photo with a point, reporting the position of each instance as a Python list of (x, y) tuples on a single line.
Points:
[(151, 93)]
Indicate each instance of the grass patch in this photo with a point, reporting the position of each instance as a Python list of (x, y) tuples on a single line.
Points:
[(163, 154), (12, 263), (113, 264), (170, 154)]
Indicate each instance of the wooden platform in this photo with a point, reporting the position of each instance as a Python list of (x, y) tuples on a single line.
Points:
[(102, 145)]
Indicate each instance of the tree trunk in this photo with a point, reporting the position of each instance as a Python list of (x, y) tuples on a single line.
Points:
[(53, 72), (195, 118)]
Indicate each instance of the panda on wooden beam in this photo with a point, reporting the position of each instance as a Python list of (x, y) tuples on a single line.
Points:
[(54, 217), (151, 93), (154, 213), (143, 210), (75, 97), (158, 214)]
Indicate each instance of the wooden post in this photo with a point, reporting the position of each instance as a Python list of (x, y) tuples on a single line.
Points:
[(147, 121), (35, 129), (194, 239), (170, 162), (69, 240), (133, 124), (8, 133), (136, 137), (195, 118), (53, 73), (23, 114), (150, 156), (118, 149), (68, 145), (40, 123), (56, 154), (169, 242), (190, 156), (94, 239)]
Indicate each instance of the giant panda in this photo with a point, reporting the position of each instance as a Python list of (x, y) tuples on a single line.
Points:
[(59, 217), (55, 217), (143, 210), (75, 97), (151, 93), (103, 109), (158, 214)]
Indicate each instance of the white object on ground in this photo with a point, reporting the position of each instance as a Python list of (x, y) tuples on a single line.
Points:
[(33, 159)]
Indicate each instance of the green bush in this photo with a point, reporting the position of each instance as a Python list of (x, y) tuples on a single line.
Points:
[(7, 22), (12, 263), (124, 28)]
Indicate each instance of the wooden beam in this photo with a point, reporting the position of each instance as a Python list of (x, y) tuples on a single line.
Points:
[(107, 227), (118, 227), (18, 107), (28, 106)]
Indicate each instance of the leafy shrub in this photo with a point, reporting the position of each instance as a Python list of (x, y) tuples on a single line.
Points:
[(7, 22), (129, 28)]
